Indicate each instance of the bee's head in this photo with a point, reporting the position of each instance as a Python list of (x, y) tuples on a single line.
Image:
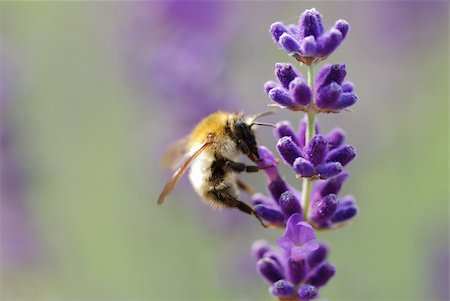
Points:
[(246, 140)]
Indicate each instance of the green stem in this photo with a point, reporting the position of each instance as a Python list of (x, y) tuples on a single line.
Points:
[(310, 132)]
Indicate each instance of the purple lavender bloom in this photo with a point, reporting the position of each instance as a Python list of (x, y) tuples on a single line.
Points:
[(298, 240), (308, 42), (328, 211), (299, 268), (332, 93), (315, 160), (292, 92)]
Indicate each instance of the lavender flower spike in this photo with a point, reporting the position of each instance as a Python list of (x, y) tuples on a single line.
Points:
[(309, 42)]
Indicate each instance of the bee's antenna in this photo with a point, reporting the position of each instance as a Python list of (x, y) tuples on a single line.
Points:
[(262, 115), (263, 124)]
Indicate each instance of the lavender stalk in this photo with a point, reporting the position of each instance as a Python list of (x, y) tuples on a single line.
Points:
[(298, 268)]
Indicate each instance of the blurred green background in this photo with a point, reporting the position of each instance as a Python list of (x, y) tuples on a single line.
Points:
[(89, 124)]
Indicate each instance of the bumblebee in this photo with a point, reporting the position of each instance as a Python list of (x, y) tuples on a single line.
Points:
[(211, 151)]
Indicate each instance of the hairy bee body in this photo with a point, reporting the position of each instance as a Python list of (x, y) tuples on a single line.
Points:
[(208, 175), (211, 150)]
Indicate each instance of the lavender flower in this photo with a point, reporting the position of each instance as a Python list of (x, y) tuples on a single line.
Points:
[(331, 93), (308, 42), (299, 268)]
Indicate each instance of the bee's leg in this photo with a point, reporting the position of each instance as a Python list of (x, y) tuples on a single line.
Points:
[(244, 187), (226, 197), (249, 210), (240, 167)]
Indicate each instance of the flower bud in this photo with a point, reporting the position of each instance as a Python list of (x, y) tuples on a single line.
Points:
[(289, 204), (277, 187), (269, 86), (328, 42), (307, 292), (284, 129), (303, 167), (269, 270), (310, 24), (296, 270), (344, 213), (324, 208), (269, 214), (267, 159), (300, 92), (288, 150), (334, 184), (260, 199), (317, 149), (317, 256), (308, 46), (281, 97), (329, 169), (289, 43), (330, 73), (285, 73), (321, 275), (343, 154), (342, 26), (282, 289), (335, 138), (347, 87), (277, 29), (259, 248), (327, 96), (345, 100)]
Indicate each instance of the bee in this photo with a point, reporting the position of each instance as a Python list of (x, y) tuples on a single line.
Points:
[(211, 151)]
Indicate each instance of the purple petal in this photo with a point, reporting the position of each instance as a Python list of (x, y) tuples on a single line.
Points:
[(285, 73), (300, 92), (303, 167), (298, 253), (289, 43), (260, 199), (284, 128), (277, 29), (343, 213)]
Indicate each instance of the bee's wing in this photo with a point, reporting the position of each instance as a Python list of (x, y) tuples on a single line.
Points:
[(175, 153), (179, 172)]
